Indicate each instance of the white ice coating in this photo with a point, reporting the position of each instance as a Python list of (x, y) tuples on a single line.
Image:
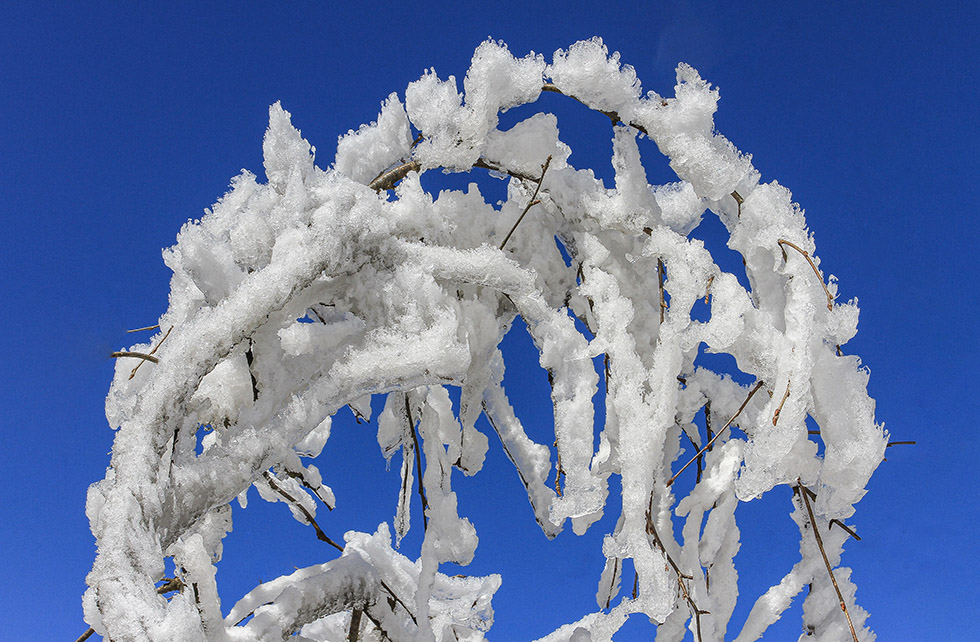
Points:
[(293, 298)]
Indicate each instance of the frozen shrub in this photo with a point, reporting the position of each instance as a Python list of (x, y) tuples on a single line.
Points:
[(316, 289)]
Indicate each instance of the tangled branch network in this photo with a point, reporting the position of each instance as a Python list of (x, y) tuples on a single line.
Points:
[(313, 291)]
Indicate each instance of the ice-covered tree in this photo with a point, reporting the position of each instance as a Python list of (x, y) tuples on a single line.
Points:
[(318, 288)]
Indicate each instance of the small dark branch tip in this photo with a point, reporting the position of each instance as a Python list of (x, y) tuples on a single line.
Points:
[(738, 200), (846, 528), (775, 415), (152, 352), (806, 255), (85, 636), (534, 201), (138, 355), (149, 327)]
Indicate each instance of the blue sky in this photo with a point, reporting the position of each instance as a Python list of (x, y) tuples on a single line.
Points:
[(120, 123)]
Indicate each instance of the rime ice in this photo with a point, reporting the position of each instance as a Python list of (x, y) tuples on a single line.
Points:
[(311, 291)]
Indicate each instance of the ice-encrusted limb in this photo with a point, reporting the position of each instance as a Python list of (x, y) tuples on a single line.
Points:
[(315, 290)]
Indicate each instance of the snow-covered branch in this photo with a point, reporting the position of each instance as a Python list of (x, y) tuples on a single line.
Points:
[(315, 290)]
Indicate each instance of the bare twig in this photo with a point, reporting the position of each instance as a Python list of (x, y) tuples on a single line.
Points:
[(484, 164), (661, 273), (700, 457), (612, 581), (846, 528), (720, 432), (695, 611), (85, 636), (387, 180), (534, 201), (418, 463), (399, 600), (320, 535), (138, 355), (152, 352), (830, 297), (559, 472), (739, 200), (775, 415), (899, 443), (306, 484), (707, 290), (149, 327), (816, 533), (707, 423), (611, 115)]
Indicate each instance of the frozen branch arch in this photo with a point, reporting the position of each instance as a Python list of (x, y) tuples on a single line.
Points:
[(297, 297)]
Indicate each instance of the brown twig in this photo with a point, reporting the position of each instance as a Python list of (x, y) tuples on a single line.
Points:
[(611, 115), (899, 443), (85, 636), (482, 163), (806, 255), (306, 484), (816, 533), (707, 423), (661, 273), (534, 201), (320, 535), (700, 458), (387, 180), (739, 200), (775, 415), (559, 472), (695, 611), (720, 432), (152, 352), (707, 290), (149, 327), (846, 528), (418, 464), (138, 355), (612, 581), (399, 600)]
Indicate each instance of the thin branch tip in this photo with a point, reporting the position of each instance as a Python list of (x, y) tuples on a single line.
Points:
[(719, 433), (806, 255), (816, 534), (138, 355)]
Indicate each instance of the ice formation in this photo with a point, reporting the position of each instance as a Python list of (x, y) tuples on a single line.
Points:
[(298, 296)]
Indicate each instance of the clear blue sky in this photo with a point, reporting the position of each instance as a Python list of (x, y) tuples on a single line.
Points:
[(119, 123)]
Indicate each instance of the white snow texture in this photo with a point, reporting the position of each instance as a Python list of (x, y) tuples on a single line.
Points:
[(298, 296)]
